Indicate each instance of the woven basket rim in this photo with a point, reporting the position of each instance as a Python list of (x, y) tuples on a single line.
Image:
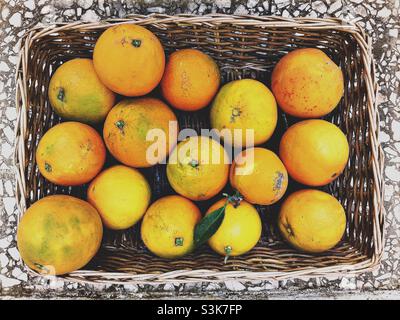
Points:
[(184, 276)]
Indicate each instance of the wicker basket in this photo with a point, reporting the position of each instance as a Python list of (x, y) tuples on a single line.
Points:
[(243, 46)]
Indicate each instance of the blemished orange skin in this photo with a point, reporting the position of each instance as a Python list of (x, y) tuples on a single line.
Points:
[(312, 220), (126, 128), (70, 154), (247, 105), (191, 80), (315, 152), (59, 234), (76, 92), (198, 168), (168, 226), (259, 175), (307, 83), (129, 59)]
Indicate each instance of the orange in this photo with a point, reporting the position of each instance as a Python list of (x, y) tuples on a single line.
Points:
[(244, 105), (121, 195), (70, 154), (129, 125), (239, 231), (315, 152), (76, 93), (191, 80), (198, 168), (59, 234), (259, 175), (129, 59), (307, 83), (312, 220), (168, 226)]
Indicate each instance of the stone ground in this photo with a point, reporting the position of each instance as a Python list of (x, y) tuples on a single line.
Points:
[(381, 20)]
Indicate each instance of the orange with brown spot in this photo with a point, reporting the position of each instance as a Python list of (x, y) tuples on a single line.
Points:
[(129, 59), (128, 125), (259, 175), (191, 80), (307, 83)]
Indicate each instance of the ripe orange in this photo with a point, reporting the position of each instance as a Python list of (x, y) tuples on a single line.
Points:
[(312, 220), (307, 83), (315, 152), (168, 226), (129, 59), (198, 168), (59, 234), (70, 154), (259, 175), (76, 93), (127, 126), (191, 80), (239, 231), (121, 195), (246, 105)]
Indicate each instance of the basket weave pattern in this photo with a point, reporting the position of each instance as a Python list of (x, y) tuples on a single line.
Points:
[(244, 47)]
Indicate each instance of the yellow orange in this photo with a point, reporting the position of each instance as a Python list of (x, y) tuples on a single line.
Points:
[(121, 195), (246, 105), (168, 226), (198, 168), (312, 220), (239, 231)]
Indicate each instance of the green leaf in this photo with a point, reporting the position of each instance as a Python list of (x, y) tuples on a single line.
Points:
[(208, 226)]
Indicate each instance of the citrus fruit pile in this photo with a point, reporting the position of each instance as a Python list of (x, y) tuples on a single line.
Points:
[(129, 89)]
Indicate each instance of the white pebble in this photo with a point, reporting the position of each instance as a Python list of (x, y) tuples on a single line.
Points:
[(6, 150), (9, 188), (16, 20), (90, 16), (4, 243), (9, 205), (9, 133), (3, 260), (13, 252), (4, 66), (8, 282), (30, 4), (234, 285), (11, 113), (393, 173), (384, 12), (85, 4), (396, 130), (223, 3)]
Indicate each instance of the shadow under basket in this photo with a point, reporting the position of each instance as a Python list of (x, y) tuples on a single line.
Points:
[(244, 47)]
